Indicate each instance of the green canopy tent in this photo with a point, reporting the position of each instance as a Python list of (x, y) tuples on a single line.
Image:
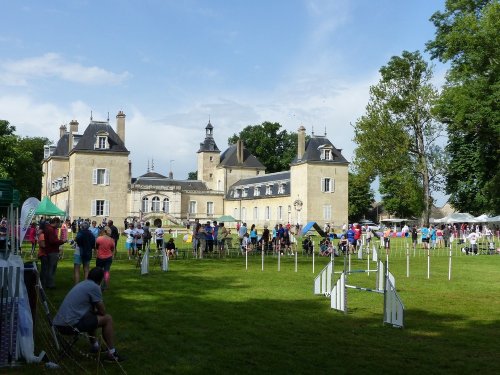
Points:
[(226, 219), (47, 208)]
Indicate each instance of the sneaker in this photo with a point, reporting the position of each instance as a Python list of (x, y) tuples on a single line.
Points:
[(115, 357)]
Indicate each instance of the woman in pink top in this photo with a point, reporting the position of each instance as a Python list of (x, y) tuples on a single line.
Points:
[(31, 237), (105, 247)]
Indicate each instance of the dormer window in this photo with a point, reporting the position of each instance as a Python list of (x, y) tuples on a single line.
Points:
[(101, 142), (256, 191), (326, 152), (244, 193), (269, 190), (281, 188), (237, 193)]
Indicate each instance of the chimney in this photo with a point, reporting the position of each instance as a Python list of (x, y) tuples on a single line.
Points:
[(62, 130), (301, 142), (120, 125), (73, 127), (239, 151)]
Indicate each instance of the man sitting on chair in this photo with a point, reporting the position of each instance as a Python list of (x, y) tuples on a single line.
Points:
[(83, 309)]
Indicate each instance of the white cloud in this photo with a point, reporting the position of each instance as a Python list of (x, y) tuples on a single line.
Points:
[(20, 72)]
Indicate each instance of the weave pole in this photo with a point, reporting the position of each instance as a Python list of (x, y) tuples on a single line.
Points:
[(296, 261), (279, 261), (246, 259)]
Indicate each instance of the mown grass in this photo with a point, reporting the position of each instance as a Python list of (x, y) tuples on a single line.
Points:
[(213, 316)]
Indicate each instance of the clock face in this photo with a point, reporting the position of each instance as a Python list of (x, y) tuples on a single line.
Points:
[(298, 205)]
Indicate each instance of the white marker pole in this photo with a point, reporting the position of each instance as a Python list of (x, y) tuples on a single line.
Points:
[(313, 256), (368, 258), (449, 268), (407, 262), (279, 261), (349, 262), (246, 259), (262, 252), (296, 261), (428, 263)]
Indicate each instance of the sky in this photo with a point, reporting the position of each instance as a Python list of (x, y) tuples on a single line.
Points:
[(173, 65)]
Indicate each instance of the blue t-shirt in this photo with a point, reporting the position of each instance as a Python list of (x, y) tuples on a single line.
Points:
[(425, 232)]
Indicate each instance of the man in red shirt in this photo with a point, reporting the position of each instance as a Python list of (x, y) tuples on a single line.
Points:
[(52, 243)]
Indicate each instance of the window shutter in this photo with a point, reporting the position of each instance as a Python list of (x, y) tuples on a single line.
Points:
[(94, 176), (106, 177), (92, 206), (106, 208), (333, 185), (323, 185)]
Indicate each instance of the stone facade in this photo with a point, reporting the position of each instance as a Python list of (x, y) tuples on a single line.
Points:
[(89, 175)]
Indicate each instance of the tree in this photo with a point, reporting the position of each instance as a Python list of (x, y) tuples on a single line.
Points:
[(193, 175), (396, 138), (467, 37), (361, 197), (400, 195), (20, 160), (274, 148)]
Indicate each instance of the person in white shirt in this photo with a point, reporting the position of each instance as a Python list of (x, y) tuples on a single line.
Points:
[(472, 237), (139, 234), (130, 241), (159, 232)]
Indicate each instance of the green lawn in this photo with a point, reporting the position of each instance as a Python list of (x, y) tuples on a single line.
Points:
[(212, 316)]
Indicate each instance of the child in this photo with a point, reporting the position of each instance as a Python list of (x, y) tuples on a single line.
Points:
[(245, 243)]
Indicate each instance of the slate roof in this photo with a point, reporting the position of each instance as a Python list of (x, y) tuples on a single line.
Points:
[(209, 143), (88, 139), (229, 159), (62, 146), (312, 151), (261, 183)]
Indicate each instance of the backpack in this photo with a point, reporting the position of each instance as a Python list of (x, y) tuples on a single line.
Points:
[(147, 233)]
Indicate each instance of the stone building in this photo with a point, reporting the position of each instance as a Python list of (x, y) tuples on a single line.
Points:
[(89, 175)]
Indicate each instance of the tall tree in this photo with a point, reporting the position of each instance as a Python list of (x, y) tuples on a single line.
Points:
[(361, 197), (398, 133), (467, 36), (273, 147), (20, 160)]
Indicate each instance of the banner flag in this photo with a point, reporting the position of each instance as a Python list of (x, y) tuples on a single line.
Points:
[(27, 213)]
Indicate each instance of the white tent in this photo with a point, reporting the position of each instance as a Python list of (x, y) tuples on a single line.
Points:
[(482, 219), (457, 217), (494, 219)]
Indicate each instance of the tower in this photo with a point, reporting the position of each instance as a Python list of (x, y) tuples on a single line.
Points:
[(208, 158)]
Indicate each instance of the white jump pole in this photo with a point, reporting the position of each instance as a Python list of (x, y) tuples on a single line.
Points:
[(368, 258), (279, 261), (349, 262), (387, 259), (428, 263), (296, 261), (407, 262), (246, 259), (449, 268)]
